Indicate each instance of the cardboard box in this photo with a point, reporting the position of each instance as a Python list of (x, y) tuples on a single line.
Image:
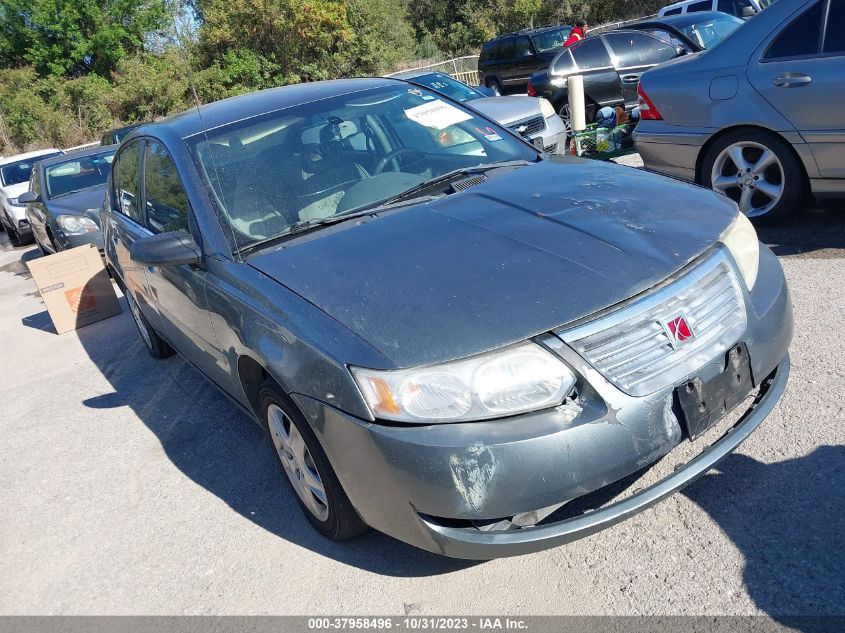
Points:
[(75, 287)]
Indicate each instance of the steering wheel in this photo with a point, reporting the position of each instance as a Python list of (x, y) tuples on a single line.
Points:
[(392, 156)]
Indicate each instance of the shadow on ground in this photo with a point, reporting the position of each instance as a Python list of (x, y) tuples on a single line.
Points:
[(217, 446), (819, 232), (788, 520)]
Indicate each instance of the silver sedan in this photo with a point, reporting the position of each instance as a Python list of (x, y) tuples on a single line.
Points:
[(755, 117)]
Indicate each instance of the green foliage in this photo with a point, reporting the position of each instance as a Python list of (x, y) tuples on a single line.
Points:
[(70, 69), (72, 37)]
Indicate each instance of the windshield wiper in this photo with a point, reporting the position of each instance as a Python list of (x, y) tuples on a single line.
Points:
[(450, 175)]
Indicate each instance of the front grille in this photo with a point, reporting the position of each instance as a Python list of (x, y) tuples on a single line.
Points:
[(632, 347), (530, 126), (550, 149)]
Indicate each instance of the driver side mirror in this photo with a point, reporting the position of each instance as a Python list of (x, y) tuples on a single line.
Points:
[(165, 249), (27, 197)]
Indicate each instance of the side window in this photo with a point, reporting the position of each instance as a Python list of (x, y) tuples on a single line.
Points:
[(488, 52), (506, 50), (167, 202), (735, 7), (800, 37), (590, 54), (638, 49), (563, 63), (675, 11), (127, 180), (704, 5), (666, 36), (523, 47), (834, 39)]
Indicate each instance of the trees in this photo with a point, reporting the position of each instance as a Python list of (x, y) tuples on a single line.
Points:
[(76, 37)]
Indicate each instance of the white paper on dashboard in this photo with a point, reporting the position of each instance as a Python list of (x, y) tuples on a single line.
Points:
[(437, 114)]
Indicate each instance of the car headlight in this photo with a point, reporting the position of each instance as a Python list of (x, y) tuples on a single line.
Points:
[(76, 225), (741, 240), (14, 202), (547, 108), (518, 379)]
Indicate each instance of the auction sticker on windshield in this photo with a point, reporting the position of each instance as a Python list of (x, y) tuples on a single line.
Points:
[(437, 114)]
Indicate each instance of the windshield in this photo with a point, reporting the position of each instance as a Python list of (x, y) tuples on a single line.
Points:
[(16, 173), (446, 85), (77, 174), (336, 156), (550, 40), (710, 32)]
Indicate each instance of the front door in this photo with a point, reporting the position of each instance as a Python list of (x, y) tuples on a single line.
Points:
[(178, 292), (803, 78)]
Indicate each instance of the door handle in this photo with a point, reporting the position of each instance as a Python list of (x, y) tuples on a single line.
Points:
[(792, 80), (630, 79)]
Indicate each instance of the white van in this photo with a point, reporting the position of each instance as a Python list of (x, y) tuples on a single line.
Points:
[(740, 8)]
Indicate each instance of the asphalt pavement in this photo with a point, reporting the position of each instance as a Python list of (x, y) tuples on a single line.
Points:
[(130, 486)]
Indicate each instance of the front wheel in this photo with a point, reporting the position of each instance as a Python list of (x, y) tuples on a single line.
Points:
[(758, 171), (307, 469), (494, 85)]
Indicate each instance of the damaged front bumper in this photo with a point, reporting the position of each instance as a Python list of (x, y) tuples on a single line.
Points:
[(451, 488)]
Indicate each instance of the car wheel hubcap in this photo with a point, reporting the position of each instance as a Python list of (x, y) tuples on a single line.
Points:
[(136, 314), (298, 463), (751, 175)]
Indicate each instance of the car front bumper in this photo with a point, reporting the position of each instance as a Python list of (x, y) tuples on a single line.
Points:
[(433, 486), (553, 138), (65, 242)]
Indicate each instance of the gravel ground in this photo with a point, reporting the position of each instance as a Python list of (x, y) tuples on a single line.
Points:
[(131, 486)]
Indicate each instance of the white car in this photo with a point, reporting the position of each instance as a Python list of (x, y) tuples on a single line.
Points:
[(14, 180), (740, 8)]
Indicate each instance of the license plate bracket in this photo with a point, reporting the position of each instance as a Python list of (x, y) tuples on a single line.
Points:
[(703, 403)]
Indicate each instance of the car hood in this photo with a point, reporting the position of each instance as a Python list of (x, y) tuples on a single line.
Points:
[(514, 257), (13, 191), (506, 110), (78, 203)]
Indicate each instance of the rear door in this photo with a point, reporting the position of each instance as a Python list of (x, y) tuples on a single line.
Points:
[(505, 61), (633, 53), (178, 292), (123, 223), (601, 83), (800, 71), (524, 64)]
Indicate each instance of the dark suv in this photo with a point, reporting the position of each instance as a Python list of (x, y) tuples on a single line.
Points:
[(507, 61)]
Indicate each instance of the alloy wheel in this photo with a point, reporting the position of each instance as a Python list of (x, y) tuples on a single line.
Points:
[(567, 119), (751, 175), (298, 463)]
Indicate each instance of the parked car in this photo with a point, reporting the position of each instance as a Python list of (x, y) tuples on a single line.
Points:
[(756, 117), (64, 199), (115, 136), (693, 31), (530, 117), (611, 64), (744, 9), (14, 180), (506, 62), (446, 346)]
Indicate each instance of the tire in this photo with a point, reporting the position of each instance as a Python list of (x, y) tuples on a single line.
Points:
[(311, 478), (741, 162), (156, 346), (493, 84)]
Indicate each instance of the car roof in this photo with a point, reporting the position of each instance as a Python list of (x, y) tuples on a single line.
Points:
[(539, 29), (82, 153), (212, 115), (416, 72), (34, 154), (681, 19)]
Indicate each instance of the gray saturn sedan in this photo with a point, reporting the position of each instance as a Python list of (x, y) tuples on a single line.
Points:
[(447, 334)]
